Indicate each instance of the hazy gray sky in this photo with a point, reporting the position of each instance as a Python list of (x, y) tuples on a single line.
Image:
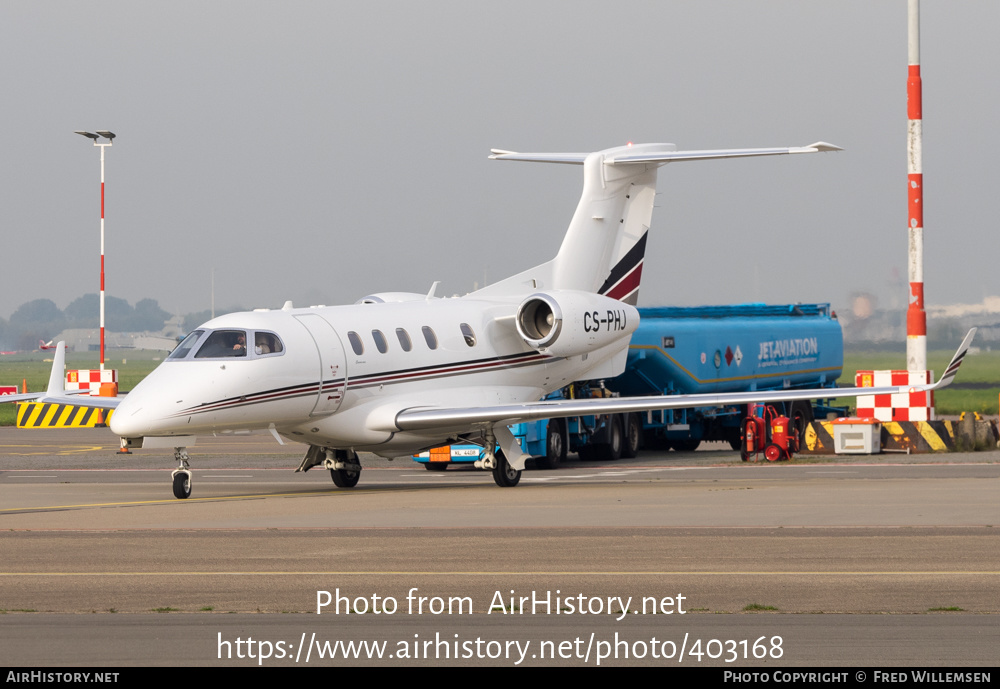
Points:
[(321, 151)]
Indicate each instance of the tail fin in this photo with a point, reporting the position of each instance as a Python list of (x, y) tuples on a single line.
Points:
[(605, 244)]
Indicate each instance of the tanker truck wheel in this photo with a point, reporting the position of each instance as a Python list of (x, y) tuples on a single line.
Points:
[(555, 446), (633, 436), (801, 415), (611, 451), (747, 439)]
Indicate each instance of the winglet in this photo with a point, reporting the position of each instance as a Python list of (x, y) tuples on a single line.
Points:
[(56, 385), (956, 361), (821, 147)]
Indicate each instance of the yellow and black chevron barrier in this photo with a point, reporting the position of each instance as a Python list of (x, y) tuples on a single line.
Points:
[(913, 436), (42, 415)]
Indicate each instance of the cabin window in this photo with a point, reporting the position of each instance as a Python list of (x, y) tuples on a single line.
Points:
[(470, 337), (356, 344), (429, 337), (224, 343), (266, 343), (404, 339), (185, 347), (380, 342)]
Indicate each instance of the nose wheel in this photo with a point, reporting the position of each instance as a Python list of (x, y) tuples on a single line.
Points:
[(182, 484), (181, 476)]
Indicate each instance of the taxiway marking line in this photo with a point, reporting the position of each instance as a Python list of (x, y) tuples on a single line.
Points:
[(61, 450), (504, 573), (188, 501), (623, 472)]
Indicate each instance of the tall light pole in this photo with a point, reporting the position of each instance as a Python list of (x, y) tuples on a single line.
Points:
[(102, 145)]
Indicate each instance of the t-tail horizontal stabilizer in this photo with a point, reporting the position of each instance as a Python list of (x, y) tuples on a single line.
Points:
[(658, 153)]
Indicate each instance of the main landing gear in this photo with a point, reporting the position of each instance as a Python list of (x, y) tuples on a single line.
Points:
[(504, 475), (345, 469), (494, 458)]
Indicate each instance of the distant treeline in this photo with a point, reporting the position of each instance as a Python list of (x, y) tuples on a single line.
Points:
[(193, 320), (42, 320)]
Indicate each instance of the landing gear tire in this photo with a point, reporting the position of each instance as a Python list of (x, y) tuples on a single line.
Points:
[(182, 485), (504, 475), (612, 450), (434, 466), (633, 436), (342, 478), (555, 446)]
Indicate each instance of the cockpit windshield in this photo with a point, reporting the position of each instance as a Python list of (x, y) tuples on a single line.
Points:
[(185, 347), (224, 343)]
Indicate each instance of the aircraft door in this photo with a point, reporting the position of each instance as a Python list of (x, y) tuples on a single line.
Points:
[(332, 363)]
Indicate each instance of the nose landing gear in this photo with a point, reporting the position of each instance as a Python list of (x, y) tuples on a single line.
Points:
[(181, 476)]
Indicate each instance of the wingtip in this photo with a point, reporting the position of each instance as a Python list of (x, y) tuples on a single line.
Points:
[(956, 361), (56, 385), (823, 146)]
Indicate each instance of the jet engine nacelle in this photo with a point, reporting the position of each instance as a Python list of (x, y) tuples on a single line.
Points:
[(568, 323)]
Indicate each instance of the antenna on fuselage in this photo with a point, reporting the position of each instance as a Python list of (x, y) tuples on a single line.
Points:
[(430, 295)]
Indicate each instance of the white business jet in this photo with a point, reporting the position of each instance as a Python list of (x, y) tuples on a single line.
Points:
[(397, 373)]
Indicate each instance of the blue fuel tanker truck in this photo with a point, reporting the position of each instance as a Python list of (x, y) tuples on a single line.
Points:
[(690, 350)]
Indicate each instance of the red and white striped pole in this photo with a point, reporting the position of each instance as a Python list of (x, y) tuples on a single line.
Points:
[(102, 145), (916, 317), (102, 258)]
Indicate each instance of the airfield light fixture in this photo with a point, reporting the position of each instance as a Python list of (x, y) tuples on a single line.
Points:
[(102, 145)]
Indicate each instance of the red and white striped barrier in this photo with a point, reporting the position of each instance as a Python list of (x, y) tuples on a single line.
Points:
[(90, 379), (906, 406)]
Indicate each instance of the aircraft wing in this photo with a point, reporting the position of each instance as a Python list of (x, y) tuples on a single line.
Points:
[(56, 392), (73, 397), (424, 418)]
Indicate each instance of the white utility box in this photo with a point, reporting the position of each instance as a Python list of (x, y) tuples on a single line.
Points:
[(854, 436)]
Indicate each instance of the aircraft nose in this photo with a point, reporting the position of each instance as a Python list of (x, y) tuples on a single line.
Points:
[(128, 420)]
